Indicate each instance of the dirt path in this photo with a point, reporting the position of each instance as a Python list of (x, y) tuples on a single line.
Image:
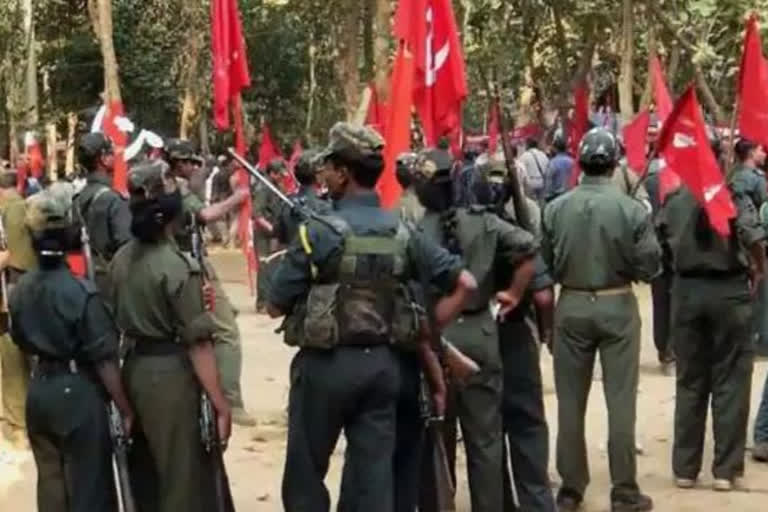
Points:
[(255, 457)]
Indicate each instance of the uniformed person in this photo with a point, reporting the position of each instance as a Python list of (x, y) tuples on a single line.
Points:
[(100, 207), (185, 164), (76, 369), (522, 407), (712, 276), (487, 244), (157, 292), (411, 210), (266, 211), (346, 377), (19, 258), (287, 221), (597, 241)]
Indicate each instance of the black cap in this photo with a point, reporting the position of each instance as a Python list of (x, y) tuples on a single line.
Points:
[(92, 146)]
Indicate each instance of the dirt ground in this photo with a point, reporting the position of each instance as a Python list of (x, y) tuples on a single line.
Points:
[(255, 457)]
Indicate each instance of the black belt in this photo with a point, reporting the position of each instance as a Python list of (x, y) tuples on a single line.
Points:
[(42, 368), (713, 274)]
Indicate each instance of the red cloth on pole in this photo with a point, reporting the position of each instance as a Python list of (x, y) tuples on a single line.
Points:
[(441, 84), (246, 210), (635, 137), (398, 136), (685, 148), (290, 183), (230, 60), (378, 112), (661, 95), (268, 150), (753, 87), (119, 141), (579, 126), (493, 127)]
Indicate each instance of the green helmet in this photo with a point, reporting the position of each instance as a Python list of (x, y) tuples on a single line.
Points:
[(433, 162), (180, 149), (150, 179), (598, 148), (49, 209)]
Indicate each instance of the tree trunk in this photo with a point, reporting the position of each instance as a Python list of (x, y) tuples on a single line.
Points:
[(69, 167), (381, 48), (205, 147), (709, 98), (348, 52), (312, 91), (367, 13), (104, 31), (645, 100), (31, 111), (51, 141), (626, 76)]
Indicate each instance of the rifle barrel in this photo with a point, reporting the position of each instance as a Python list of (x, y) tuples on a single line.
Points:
[(264, 181)]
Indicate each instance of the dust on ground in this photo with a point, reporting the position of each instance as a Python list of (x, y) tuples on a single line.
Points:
[(255, 456)]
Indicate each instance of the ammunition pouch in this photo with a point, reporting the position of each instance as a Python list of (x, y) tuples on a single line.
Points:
[(358, 299)]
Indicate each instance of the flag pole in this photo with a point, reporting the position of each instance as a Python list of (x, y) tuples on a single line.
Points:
[(644, 177), (732, 136)]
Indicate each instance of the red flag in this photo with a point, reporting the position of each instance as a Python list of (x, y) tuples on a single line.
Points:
[(378, 112), (34, 161), (684, 146), (493, 127), (579, 125), (244, 219), (290, 184), (268, 150), (753, 87), (398, 136), (635, 136), (119, 141), (411, 27), (661, 94), (230, 61), (441, 84)]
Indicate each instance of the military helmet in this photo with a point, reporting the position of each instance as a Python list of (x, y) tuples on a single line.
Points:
[(49, 209), (406, 160), (150, 179), (181, 149), (308, 162), (352, 142), (598, 148), (92, 146)]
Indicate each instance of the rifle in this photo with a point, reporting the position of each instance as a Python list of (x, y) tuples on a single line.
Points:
[(120, 444), (209, 434), (87, 254)]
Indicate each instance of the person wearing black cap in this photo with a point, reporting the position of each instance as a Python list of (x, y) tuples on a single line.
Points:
[(64, 325), (597, 241), (101, 208)]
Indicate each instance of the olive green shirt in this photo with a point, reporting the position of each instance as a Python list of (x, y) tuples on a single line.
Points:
[(410, 207), (487, 243), (157, 293), (13, 210), (596, 237), (191, 204), (696, 249)]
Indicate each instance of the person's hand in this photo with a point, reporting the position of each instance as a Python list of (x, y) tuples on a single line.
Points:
[(439, 401), (507, 302), (547, 338), (4, 257), (234, 181), (209, 297), (129, 418), (224, 423)]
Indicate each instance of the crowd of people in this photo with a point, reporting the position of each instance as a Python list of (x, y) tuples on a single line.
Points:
[(469, 259)]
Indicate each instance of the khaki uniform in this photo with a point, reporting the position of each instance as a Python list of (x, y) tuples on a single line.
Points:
[(228, 345), (159, 307), (596, 241), (22, 258)]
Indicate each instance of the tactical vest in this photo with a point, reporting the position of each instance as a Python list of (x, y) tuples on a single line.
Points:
[(350, 301)]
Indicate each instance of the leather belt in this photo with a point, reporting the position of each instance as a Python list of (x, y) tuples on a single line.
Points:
[(603, 292)]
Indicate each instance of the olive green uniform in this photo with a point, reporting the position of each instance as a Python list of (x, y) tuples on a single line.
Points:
[(711, 312), (228, 346), (268, 206), (159, 307), (22, 258), (486, 243), (596, 241)]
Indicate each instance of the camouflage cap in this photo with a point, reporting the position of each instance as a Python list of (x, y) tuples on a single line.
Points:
[(309, 162), (48, 209), (180, 149), (352, 141), (276, 165), (150, 179), (494, 166)]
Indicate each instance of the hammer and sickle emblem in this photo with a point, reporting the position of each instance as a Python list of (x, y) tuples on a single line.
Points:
[(435, 61)]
